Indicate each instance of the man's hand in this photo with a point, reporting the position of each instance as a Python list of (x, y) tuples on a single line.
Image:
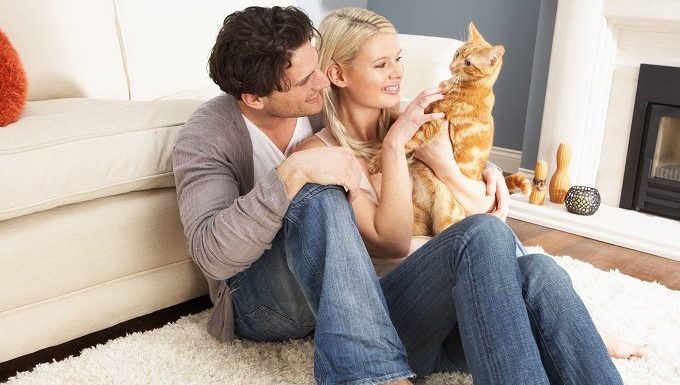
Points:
[(326, 165), (495, 185)]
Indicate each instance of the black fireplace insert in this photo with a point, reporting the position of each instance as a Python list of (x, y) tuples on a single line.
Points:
[(651, 181)]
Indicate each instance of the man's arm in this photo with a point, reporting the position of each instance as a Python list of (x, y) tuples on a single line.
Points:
[(225, 232)]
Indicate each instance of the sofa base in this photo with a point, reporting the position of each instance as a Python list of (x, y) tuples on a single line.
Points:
[(143, 273), (70, 316)]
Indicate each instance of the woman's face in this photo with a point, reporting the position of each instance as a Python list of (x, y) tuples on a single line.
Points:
[(373, 79)]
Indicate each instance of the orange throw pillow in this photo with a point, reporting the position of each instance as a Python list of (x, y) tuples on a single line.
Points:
[(13, 86)]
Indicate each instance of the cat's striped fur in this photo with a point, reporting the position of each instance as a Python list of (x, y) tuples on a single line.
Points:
[(467, 105)]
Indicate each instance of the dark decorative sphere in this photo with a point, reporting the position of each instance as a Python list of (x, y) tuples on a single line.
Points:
[(582, 200)]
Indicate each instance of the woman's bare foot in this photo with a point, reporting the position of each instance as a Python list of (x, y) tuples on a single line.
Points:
[(618, 348)]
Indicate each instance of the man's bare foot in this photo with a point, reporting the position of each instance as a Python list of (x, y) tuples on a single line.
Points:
[(618, 348)]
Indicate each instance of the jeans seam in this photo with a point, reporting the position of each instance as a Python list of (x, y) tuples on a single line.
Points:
[(378, 380), (449, 240), (305, 253), (530, 311), (294, 323), (484, 338), (292, 221), (446, 243), (481, 321)]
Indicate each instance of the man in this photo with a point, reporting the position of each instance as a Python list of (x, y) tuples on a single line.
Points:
[(274, 235)]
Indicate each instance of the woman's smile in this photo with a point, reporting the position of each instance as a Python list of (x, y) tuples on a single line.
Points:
[(392, 89)]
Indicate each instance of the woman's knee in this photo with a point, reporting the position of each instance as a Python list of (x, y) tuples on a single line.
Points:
[(541, 271), (483, 240), (484, 228)]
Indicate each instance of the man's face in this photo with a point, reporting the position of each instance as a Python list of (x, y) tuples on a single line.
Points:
[(306, 80)]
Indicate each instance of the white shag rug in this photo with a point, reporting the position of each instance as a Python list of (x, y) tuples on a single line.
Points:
[(184, 353)]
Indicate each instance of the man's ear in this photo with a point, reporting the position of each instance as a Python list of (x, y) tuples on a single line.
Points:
[(252, 101), (336, 76)]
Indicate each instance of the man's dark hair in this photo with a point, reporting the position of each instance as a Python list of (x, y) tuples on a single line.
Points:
[(254, 47)]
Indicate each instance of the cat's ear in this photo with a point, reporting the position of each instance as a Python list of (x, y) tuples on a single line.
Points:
[(473, 33), (496, 53), (335, 75)]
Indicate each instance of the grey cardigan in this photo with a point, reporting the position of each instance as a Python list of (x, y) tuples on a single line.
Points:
[(229, 220)]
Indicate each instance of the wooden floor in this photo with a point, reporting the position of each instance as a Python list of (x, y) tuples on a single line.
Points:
[(602, 255)]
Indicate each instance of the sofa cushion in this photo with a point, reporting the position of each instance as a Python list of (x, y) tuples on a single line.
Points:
[(172, 56), (69, 47), (70, 150)]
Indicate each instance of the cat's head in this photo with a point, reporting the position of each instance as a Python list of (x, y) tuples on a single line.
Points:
[(476, 59)]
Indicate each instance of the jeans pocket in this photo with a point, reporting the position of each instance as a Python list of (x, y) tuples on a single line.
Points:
[(265, 324)]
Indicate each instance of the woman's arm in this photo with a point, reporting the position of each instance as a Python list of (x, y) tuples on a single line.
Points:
[(470, 193), (393, 218), (385, 228), (389, 234)]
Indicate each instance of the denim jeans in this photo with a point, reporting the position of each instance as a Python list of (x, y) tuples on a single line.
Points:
[(465, 301)]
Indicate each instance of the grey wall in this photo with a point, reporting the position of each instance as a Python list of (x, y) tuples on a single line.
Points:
[(539, 80), (520, 88), (317, 9)]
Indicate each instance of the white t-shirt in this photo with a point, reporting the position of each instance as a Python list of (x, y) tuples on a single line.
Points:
[(266, 156)]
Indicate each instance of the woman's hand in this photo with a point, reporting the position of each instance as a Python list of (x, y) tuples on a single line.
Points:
[(438, 154), (413, 117)]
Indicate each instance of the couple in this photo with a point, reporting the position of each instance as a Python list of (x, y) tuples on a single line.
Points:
[(287, 252)]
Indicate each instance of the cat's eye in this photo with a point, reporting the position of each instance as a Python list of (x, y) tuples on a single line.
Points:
[(467, 62)]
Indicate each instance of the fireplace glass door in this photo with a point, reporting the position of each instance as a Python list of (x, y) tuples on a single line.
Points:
[(651, 182), (659, 169), (666, 162)]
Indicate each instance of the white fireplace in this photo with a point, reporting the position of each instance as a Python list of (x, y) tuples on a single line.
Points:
[(598, 46)]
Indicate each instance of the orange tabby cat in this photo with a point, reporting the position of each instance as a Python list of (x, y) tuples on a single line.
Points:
[(467, 106)]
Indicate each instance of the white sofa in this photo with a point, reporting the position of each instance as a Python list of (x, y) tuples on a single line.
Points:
[(90, 234)]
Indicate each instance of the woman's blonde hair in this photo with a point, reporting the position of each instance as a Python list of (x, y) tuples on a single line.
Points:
[(342, 33)]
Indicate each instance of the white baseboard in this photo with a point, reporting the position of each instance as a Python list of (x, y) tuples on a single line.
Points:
[(527, 172), (508, 160), (627, 228)]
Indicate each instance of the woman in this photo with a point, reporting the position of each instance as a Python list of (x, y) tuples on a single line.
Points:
[(458, 303)]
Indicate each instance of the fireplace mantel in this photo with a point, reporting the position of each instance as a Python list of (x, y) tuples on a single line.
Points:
[(598, 46)]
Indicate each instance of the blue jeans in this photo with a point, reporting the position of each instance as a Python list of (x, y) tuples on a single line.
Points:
[(462, 302)]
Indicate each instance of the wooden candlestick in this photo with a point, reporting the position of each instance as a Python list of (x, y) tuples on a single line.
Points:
[(559, 183), (538, 191)]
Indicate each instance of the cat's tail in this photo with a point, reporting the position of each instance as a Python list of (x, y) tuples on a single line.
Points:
[(518, 181)]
